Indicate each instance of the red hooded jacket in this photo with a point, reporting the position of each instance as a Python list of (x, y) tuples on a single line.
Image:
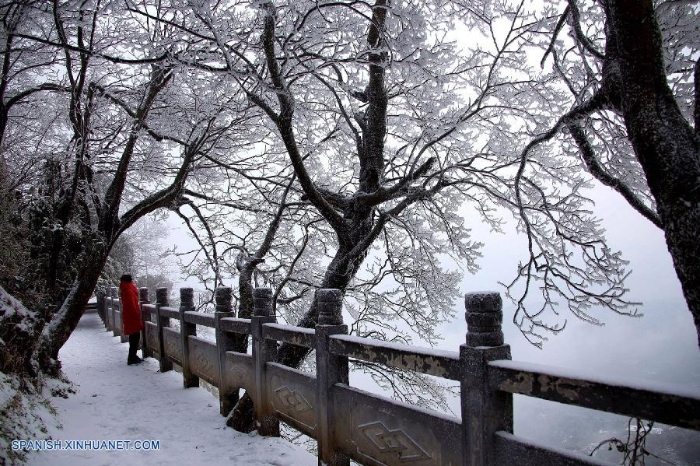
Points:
[(131, 312)]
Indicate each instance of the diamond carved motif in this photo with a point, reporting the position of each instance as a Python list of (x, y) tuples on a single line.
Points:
[(202, 362), (394, 441), (293, 400)]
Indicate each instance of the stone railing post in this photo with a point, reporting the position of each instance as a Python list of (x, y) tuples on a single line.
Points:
[(161, 321), (187, 329), (143, 299), (118, 330), (228, 396), (108, 309), (484, 410), (113, 309), (330, 370), (264, 351), (101, 306)]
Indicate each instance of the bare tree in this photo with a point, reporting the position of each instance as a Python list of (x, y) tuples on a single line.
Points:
[(391, 128), (631, 76), (634, 447)]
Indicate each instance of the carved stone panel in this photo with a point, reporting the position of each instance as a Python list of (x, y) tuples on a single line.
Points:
[(152, 336), (372, 429), (204, 359), (171, 340), (292, 395), (238, 371), (393, 442), (293, 400)]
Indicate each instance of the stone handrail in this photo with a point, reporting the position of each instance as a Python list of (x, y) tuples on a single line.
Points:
[(351, 424)]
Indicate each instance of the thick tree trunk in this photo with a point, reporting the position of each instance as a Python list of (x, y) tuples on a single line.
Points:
[(664, 142), (242, 415), (56, 332), (338, 275), (245, 266)]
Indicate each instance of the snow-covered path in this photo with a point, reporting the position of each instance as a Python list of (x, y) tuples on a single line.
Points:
[(119, 402)]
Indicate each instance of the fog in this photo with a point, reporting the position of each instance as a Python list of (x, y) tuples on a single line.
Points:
[(660, 345)]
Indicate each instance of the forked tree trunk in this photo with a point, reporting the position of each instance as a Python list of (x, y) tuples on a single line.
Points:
[(338, 275), (355, 224), (34, 349)]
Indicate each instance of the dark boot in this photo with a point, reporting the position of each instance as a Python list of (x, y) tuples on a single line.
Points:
[(133, 346)]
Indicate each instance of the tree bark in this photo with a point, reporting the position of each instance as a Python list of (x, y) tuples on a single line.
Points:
[(245, 266), (64, 322), (665, 143)]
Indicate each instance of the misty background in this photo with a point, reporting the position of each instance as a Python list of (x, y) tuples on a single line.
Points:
[(660, 346)]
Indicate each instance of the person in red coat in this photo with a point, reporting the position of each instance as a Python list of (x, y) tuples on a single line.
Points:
[(131, 316)]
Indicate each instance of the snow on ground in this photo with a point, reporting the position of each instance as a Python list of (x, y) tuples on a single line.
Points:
[(135, 403)]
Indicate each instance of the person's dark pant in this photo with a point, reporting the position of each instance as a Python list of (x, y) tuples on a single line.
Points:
[(133, 346)]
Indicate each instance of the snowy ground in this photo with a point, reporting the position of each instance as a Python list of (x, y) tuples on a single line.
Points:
[(135, 403)]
